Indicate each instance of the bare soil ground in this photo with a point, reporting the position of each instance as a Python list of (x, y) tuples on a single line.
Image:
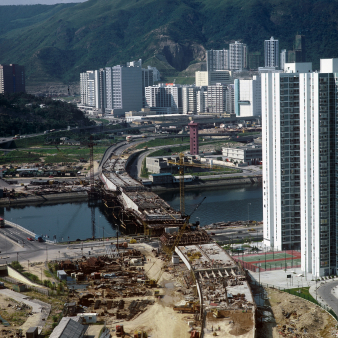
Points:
[(237, 324), (296, 317), (159, 320), (14, 312)]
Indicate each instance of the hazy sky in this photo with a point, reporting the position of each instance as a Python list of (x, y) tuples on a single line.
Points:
[(34, 2)]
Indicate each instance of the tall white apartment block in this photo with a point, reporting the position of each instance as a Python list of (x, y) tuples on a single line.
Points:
[(87, 88), (283, 58), (189, 99), (237, 56), (300, 179), (271, 52), (217, 59), (247, 97)]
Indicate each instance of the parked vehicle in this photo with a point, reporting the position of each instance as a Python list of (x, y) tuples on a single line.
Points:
[(30, 239), (38, 238)]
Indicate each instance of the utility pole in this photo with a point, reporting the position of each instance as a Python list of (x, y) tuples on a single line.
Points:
[(117, 243)]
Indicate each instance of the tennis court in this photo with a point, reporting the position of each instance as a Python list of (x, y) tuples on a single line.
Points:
[(270, 260)]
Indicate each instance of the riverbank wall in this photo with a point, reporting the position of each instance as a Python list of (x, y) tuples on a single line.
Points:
[(200, 184), (45, 199)]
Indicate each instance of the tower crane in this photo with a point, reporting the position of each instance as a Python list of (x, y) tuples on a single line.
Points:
[(181, 169)]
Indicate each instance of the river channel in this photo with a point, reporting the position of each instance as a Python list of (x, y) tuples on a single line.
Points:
[(70, 221)]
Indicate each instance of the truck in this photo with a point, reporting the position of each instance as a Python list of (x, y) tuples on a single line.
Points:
[(2, 223), (188, 307), (38, 238), (150, 283), (120, 331), (129, 138)]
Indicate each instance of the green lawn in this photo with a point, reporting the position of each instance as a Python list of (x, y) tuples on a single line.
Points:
[(19, 157), (302, 292), (163, 142)]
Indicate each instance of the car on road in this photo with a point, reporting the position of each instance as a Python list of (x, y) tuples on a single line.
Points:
[(51, 176), (30, 239)]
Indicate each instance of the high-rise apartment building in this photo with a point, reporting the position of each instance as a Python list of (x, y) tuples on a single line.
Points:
[(216, 99), (271, 52), (237, 56), (116, 89), (230, 99), (300, 179), (100, 89), (283, 58), (201, 99), (12, 78), (147, 81), (211, 78), (217, 59), (163, 96), (189, 99), (247, 97), (254, 60), (87, 88), (300, 48)]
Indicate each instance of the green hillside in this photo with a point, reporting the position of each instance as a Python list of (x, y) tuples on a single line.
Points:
[(57, 42)]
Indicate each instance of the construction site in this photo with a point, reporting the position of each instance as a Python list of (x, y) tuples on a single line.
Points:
[(199, 292)]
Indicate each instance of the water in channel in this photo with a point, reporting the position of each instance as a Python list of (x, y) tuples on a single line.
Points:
[(221, 204), (70, 221)]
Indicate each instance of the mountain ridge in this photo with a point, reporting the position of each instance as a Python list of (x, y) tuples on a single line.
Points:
[(57, 42)]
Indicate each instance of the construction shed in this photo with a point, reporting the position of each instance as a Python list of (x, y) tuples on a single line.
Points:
[(88, 318), (32, 332), (61, 274), (68, 328)]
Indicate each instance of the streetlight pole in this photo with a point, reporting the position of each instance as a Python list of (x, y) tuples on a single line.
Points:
[(305, 264), (259, 271), (249, 212)]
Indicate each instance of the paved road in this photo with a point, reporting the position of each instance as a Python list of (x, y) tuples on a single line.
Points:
[(325, 292), (235, 234)]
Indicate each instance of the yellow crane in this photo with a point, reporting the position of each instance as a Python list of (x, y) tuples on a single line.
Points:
[(181, 168)]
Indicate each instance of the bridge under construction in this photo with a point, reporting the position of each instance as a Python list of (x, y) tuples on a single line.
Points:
[(133, 205)]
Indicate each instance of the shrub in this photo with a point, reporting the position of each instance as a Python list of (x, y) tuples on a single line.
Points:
[(17, 266)]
